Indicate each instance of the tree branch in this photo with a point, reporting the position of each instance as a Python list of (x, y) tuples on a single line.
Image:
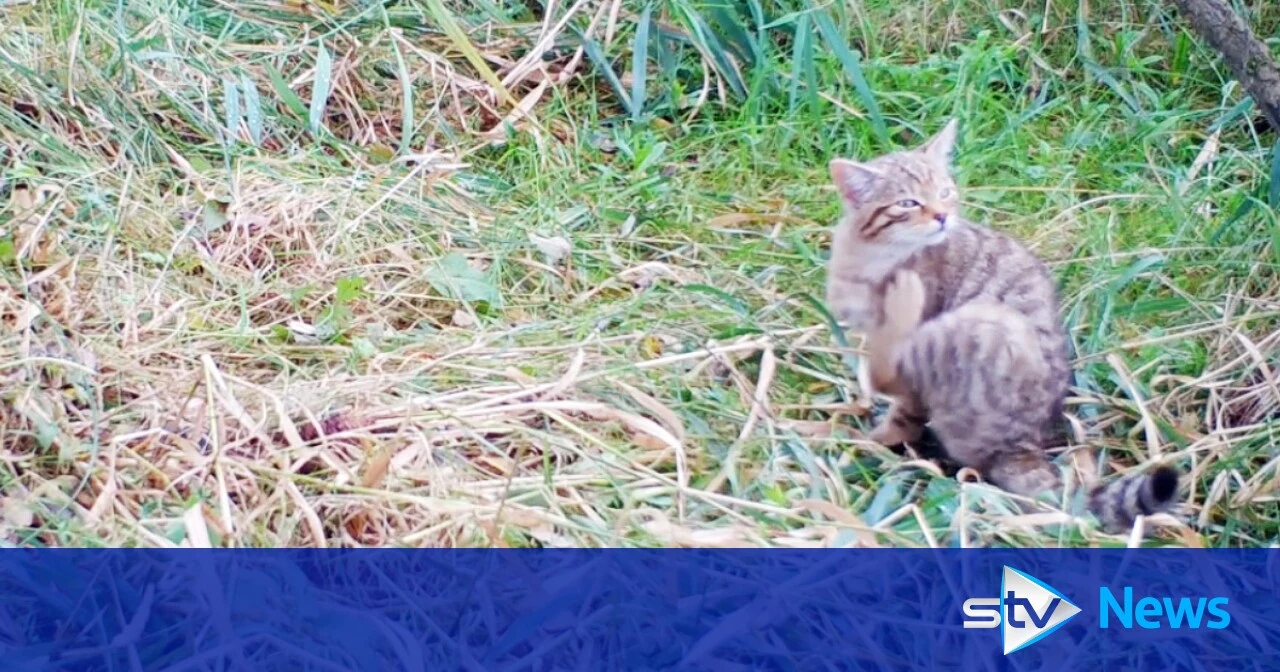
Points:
[(1249, 59)]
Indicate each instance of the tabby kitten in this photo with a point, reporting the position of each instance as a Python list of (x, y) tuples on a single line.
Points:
[(979, 372), (900, 211)]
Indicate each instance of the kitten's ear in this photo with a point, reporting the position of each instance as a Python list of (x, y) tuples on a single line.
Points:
[(941, 146), (853, 179)]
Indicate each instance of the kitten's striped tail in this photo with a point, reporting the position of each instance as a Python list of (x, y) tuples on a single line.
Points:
[(1119, 502)]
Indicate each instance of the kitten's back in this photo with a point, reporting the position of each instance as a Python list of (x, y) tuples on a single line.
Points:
[(980, 371), (981, 266)]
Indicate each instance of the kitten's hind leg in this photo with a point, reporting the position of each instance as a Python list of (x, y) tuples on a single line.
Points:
[(930, 447), (1022, 469)]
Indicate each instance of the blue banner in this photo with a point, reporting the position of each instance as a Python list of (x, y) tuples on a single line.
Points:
[(623, 609)]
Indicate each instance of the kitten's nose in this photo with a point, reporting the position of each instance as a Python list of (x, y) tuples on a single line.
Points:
[(940, 217)]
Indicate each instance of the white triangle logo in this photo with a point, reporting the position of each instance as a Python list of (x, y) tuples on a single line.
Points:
[(1041, 610)]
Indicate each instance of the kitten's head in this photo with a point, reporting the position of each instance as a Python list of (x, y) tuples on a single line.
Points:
[(904, 199)]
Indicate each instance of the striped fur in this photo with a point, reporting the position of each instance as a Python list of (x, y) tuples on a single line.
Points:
[(968, 338)]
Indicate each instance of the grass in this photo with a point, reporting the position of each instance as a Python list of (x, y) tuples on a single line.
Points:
[(447, 273)]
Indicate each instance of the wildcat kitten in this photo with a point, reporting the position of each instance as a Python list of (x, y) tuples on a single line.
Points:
[(979, 372), (900, 211)]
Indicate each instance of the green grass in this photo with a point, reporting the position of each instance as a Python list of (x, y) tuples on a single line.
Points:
[(378, 317)]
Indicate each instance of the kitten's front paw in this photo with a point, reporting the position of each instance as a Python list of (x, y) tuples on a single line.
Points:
[(891, 433), (888, 434), (904, 297)]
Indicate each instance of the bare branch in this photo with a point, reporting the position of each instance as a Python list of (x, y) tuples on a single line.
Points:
[(1248, 57)]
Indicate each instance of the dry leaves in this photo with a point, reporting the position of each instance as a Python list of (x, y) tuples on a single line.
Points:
[(35, 237), (656, 524), (554, 249), (17, 513), (865, 536)]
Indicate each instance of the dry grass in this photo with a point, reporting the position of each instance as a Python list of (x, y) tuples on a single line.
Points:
[(453, 303)]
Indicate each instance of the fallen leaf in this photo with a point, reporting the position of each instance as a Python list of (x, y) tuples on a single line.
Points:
[(26, 315), (491, 531), (17, 513), (651, 347), (381, 153), (810, 429), (671, 534), (536, 525), (554, 248), (402, 255), (197, 529), (603, 142), (301, 331), (498, 464), (453, 277), (377, 466), (664, 412), (519, 111), (866, 538), (1187, 535), (809, 537), (519, 376), (214, 215), (646, 442), (463, 319), (628, 226)]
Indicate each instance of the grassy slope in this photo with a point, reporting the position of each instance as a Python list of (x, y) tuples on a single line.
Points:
[(295, 369)]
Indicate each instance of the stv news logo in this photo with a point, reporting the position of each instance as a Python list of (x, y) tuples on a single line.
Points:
[(1027, 610)]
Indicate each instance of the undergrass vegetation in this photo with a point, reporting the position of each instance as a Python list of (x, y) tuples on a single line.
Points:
[(550, 273)]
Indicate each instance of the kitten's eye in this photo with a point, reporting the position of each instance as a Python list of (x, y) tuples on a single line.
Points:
[(908, 203), (947, 192)]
